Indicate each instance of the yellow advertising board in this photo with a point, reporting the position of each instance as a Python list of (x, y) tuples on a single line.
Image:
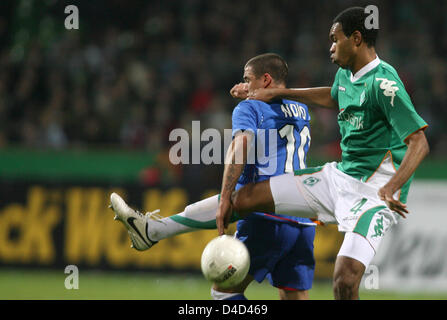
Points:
[(54, 226)]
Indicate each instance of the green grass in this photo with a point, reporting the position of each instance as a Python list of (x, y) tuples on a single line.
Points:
[(36, 285)]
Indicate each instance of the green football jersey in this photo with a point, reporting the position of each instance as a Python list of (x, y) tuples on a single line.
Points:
[(375, 116)]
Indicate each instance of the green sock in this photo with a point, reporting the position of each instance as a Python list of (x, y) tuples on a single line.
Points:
[(197, 216)]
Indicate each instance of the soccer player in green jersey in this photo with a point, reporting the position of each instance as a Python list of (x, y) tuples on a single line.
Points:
[(383, 142)]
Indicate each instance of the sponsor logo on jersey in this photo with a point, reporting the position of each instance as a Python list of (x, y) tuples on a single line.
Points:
[(389, 90), (355, 120), (341, 88)]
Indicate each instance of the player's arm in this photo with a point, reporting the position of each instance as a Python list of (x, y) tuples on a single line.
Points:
[(240, 91), (235, 160), (417, 150), (320, 96), (395, 103)]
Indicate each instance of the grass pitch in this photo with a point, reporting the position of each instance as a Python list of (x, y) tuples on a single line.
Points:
[(50, 285)]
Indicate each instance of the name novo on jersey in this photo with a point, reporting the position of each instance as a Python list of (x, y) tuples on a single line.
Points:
[(293, 110)]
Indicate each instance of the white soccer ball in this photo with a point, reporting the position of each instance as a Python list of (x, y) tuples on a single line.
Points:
[(225, 261)]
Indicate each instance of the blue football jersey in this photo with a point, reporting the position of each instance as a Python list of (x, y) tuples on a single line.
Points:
[(282, 139)]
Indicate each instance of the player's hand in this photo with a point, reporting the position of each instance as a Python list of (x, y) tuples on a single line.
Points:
[(223, 215), (265, 95), (386, 194), (239, 91)]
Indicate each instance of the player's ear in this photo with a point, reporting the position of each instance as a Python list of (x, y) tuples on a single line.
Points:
[(267, 80), (357, 38)]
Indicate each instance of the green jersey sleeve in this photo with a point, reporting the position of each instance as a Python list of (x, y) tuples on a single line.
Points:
[(394, 101)]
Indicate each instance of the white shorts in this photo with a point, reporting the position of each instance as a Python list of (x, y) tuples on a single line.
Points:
[(331, 196), (357, 247)]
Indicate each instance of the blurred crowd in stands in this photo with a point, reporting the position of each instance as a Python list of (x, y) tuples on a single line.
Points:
[(137, 69)]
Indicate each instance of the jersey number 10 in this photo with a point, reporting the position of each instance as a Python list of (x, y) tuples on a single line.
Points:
[(286, 132)]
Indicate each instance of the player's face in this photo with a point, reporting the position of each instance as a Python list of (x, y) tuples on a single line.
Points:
[(342, 48), (252, 82)]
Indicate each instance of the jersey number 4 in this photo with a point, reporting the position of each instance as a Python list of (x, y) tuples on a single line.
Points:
[(286, 132)]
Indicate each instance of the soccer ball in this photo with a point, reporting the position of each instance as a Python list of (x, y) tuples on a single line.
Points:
[(225, 261)]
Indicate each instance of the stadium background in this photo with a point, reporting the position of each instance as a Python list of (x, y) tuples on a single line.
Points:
[(86, 112)]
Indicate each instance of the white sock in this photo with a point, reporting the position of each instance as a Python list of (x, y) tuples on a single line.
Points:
[(196, 216), (219, 295)]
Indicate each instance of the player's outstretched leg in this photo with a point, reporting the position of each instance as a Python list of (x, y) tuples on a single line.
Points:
[(253, 197), (134, 221), (147, 230)]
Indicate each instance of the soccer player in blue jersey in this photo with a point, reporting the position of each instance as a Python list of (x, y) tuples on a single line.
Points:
[(281, 247)]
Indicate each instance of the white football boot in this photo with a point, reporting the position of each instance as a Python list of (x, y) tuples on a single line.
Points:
[(135, 222)]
